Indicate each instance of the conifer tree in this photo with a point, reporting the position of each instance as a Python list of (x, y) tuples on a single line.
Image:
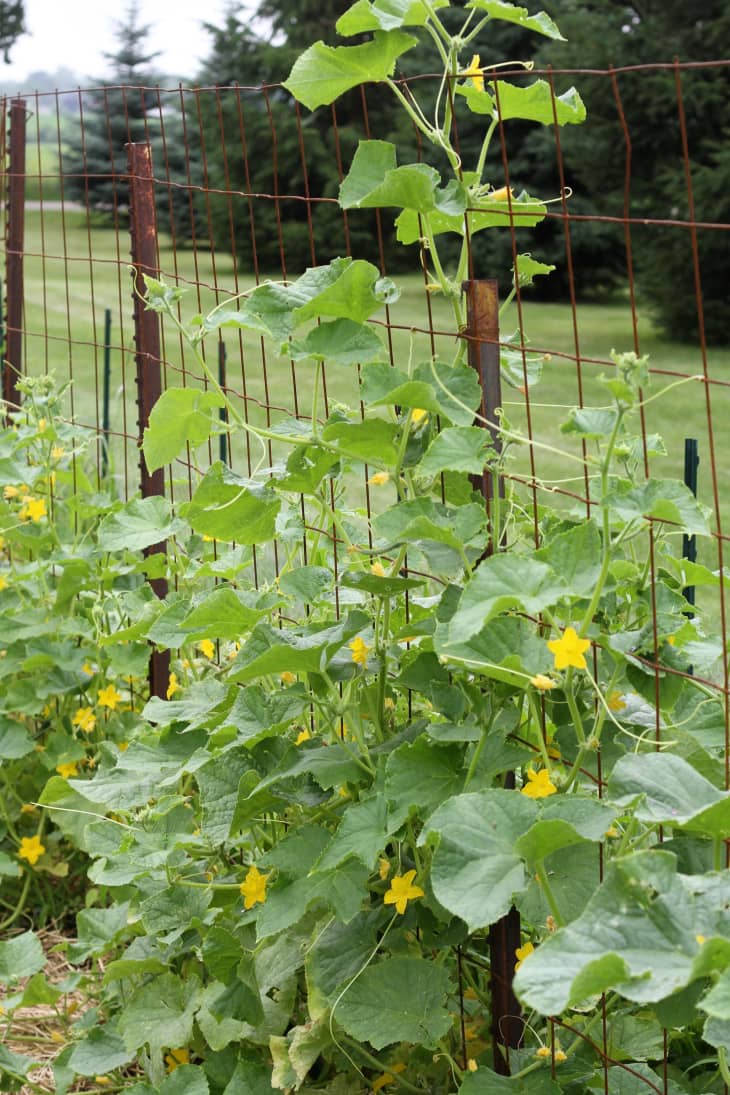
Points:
[(12, 25)]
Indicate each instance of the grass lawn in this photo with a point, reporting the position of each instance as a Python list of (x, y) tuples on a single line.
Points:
[(73, 272)]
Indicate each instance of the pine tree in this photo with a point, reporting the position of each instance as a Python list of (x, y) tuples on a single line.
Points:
[(12, 25), (128, 107)]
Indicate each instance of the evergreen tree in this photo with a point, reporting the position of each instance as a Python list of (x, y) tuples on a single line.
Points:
[(127, 107), (12, 25)]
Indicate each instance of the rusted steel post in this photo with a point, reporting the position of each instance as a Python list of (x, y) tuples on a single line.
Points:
[(482, 332), (13, 358), (143, 234)]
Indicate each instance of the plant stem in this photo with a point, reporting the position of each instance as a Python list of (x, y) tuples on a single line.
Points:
[(376, 1064), (549, 895)]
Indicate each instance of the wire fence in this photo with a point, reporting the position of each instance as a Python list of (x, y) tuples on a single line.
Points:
[(235, 194)]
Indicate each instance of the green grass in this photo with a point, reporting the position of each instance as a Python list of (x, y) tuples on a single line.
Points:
[(83, 273)]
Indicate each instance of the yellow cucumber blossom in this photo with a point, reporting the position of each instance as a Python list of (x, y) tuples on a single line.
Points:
[(616, 701), (303, 735), (207, 648), (522, 952), (569, 649), (378, 570), (402, 891), (253, 888), (379, 479), (475, 73), (109, 697), (418, 416), (172, 686), (67, 770), (85, 719), (539, 784), (177, 1057), (31, 849), (33, 509), (543, 683), (360, 650)]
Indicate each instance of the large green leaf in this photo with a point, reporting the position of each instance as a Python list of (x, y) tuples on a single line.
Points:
[(160, 1013), (663, 500), (21, 956), (343, 890), (363, 832), (636, 935), (522, 211), (670, 792), (564, 821), (375, 181), (371, 440), (367, 15), (453, 392), (322, 73), (476, 870), (336, 954), (419, 776), (419, 519), (180, 417), (273, 650), (101, 1051), (396, 1000), (229, 507), (511, 13), (224, 613), (576, 556), (458, 448), (501, 583), (139, 524), (258, 713), (533, 103), (340, 342), (506, 649)]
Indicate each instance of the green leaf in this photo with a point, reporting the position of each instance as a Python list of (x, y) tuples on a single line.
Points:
[(21, 956), (224, 613), (576, 556), (139, 524), (371, 440), (422, 519), (38, 990), (522, 211), (160, 1013), (101, 1051), (342, 889), (526, 269), (419, 776), (200, 699), (397, 1000), (363, 832), (295, 1053), (564, 822), (535, 103), (258, 713), (229, 507), (15, 741), (476, 870), (383, 385), (506, 649), (457, 448), (368, 15), (270, 650), (168, 914), (670, 792), (501, 583), (717, 1001), (322, 73), (337, 954), (306, 467), (591, 422), (636, 935), (75, 813), (180, 417), (374, 181), (218, 782), (185, 1080), (95, 931), (511, 13), (340, 342), (663, 500)]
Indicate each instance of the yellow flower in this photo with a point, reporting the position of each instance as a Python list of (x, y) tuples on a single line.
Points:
[(33, 509), (472, 1065), (543, 1051), (559, 1056), (253, 888), (542, 682), (699, 939), (418, 415), (359, 650), (207, 648), (28, 808), (288, 678), (475, 73), (85, 719), (569, 649), (177, 1057), (383, 867), (539, 784), (42, 424), (501, 195), (616, 701), (57, 1037), (31, 849), (379, 479), (611, 831), (10, 492), (378, 570), (109, 697), (402, 891), (671, 639), (103, 1081), (3, 582), (521, 954), (387, 1077), (88, 669), (57, 452), (68, 769), (172, 686), (303, 735), (235, 647), (122, 746)]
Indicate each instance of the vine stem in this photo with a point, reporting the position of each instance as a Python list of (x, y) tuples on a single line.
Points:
[(606, 562), (375, 1063), (549, 895)]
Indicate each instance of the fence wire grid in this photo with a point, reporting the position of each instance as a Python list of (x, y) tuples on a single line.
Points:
[(240, 198)]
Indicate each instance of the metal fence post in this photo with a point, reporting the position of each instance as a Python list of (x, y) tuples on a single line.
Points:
[(105, 392), (482, 333), (13, 360), (143, 234)]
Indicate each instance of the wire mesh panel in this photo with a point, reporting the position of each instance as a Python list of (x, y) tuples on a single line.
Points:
[(240, 197)]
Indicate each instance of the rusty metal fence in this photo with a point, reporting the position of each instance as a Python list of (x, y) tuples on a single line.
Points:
[(97, 189)]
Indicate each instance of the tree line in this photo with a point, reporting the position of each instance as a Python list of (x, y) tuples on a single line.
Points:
[(627, 159)]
